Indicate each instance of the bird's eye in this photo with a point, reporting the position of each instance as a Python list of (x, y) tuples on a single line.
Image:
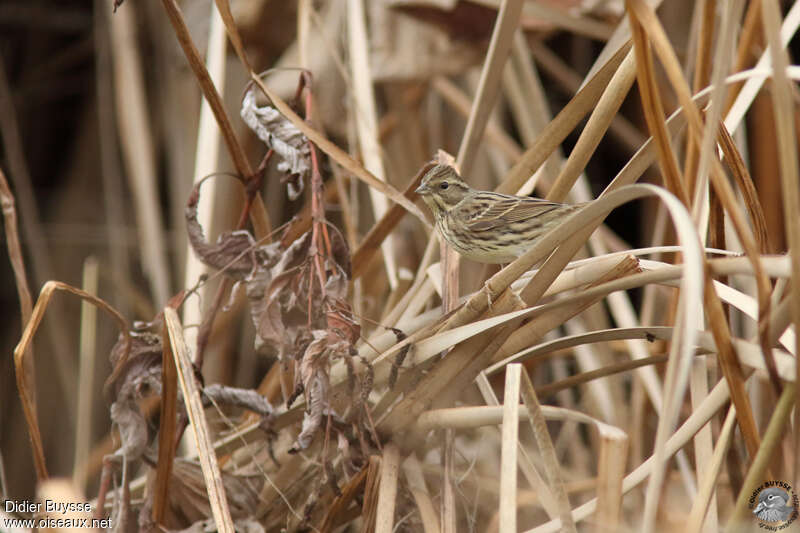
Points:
[(444, 185)]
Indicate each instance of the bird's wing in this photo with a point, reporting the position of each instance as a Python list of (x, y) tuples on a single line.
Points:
[(501, 210)]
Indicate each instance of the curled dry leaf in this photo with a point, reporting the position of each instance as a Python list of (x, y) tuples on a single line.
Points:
[(312, 374), (235, 252), (246, 398), (278, 298), (280, 135), (138, 377), (313, 377), (286, 300), (298, 304)]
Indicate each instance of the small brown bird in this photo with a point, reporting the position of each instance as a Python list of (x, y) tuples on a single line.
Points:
[(484, 226)]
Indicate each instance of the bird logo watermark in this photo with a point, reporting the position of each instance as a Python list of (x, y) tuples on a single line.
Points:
[(774, 505)]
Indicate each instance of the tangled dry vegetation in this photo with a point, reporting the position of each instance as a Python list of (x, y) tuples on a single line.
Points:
[(320, 369)]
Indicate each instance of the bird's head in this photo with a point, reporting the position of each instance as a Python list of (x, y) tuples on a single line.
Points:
[(442, 188), (772, 504), (773, 497)]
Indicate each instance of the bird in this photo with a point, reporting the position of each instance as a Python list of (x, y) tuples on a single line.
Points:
[(485, 226), (773, 505)]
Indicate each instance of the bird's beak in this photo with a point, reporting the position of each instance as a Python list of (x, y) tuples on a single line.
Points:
[(422, 189), (760, 507)]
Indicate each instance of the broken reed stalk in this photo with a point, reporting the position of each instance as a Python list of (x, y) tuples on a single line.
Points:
[(194, 408), (22, 351)]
